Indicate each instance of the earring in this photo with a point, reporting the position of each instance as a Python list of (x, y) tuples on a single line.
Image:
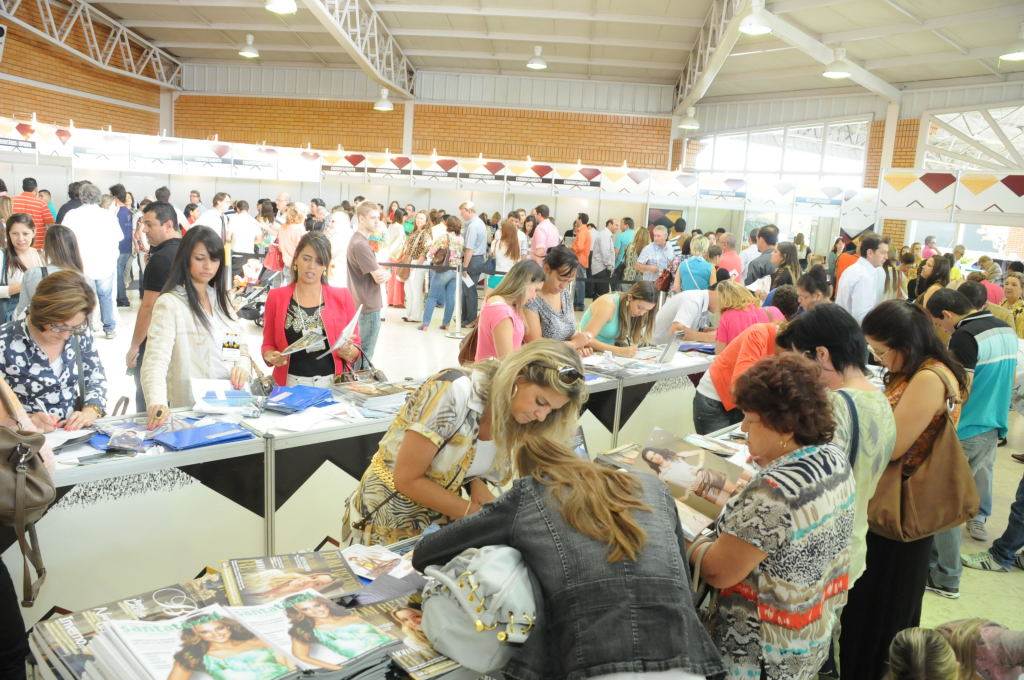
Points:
[(515, 389)]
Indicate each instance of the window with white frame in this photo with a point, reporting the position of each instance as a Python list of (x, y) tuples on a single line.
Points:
[(996, 241), (830, 151), (978, 139)]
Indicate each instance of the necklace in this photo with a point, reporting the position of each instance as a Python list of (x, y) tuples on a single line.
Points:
[(305, 323)]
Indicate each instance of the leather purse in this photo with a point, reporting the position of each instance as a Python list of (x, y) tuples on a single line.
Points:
[(939, 494), (26, 490)]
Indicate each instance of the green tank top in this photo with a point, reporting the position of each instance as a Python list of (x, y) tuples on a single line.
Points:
[(609, 332), (255, 664), (352, 640)]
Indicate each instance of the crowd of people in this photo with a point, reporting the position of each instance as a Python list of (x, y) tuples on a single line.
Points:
[(810, 579)]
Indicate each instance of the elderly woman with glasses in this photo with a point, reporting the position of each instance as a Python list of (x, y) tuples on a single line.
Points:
[(456, 433), (49, 359)]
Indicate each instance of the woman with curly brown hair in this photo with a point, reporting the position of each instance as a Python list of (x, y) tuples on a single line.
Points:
[(781, 553), (315, 620), (222, 648)]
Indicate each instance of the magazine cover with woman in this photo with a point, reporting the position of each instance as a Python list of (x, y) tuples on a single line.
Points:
[(259, 580)]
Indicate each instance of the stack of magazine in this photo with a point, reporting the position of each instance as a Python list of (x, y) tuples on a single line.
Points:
[(285, 616), (297, 398), (385, 397)]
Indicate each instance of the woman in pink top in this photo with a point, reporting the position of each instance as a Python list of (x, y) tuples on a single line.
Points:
[(291, 233), (501, 326), (739, 309)]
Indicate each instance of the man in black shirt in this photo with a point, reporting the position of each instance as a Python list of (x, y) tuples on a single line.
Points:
[(73, 202), (160, 222)]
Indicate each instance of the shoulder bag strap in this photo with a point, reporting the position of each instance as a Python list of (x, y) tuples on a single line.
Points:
[(854, 427), (13, 406), (361, 524), (46, 271), (952, 393), (79, 372)]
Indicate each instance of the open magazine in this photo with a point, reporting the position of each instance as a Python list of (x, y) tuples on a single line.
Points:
[(700, 483), (66, 639), (258, 580)]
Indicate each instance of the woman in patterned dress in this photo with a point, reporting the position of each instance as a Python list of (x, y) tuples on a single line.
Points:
[(1013, 288), (458, 430), (781, 554)]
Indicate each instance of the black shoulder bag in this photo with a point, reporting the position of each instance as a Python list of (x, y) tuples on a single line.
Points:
[(854, 427)]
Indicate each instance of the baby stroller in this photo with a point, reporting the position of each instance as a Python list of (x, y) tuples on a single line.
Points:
[(253, 298)]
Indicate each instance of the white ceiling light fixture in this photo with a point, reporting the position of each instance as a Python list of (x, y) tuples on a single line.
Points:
[(1016, 51), (383, 104), (537, 62), (281, 6), (249, 50), (689, 122), (753, 24), (838, 68)]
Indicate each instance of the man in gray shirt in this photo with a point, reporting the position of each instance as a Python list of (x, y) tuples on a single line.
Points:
[(474, 235), (761, 266)]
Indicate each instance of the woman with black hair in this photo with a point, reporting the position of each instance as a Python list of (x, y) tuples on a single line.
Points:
[(194, 333), (812, 287), (934, 275), (550, 314), (60, 248), (922, 375), (18, 257)]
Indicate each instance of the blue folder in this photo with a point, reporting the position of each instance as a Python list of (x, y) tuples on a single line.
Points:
[(706, 347), (297, 398), (205, 435)]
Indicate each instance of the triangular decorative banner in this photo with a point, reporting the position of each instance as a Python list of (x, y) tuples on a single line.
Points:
[(447, 164), (423, 163), (566, 172), (541, 170), (355, 158), (613, 175), (63, 135), (937, 181), (25, 129), (514, 169), (784, 188), (831, 192), (686, 180), (638, 176), (978, 183), (221, 150), (469, 166), (590, 173), (401, 161), (494, 167), (900, 181), (735, 184), (1014, 183)]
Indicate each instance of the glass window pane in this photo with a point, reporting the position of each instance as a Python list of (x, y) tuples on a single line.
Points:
[(730, 152), (704, 156), (803, 149), (844, 149), (986, 239), (765, 151), (944, 233)]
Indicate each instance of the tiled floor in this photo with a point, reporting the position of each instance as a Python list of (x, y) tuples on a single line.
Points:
[(404, 351)]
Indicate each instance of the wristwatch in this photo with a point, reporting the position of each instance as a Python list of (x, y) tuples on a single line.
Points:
[(99, 411)]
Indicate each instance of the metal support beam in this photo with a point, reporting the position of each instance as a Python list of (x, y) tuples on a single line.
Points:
[(715, 41), (551, 59), (215, 26), (933, 58), (552, 15), (536, 39), (139, 58), (823, 54), (977, 162), (362, 34), (992, 154), (230, 47), (997, 129), (1003, 12)]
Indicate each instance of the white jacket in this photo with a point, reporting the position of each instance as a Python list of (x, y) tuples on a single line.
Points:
[(179, 348), (98, 233)]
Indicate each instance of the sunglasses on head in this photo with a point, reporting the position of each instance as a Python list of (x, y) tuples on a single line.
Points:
[(568, 375)]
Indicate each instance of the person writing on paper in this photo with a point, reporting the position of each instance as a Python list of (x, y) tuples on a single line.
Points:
[(49, 359), (550, 314), (309, 306), (456, 431), (683, 314), (501, 328), (620, 322), (194, 332)]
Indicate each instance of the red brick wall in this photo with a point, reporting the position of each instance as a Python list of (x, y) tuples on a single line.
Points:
[(28, 56), (903, 155), (289, 122)]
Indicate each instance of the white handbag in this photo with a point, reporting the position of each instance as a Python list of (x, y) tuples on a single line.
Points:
[(478, 605)]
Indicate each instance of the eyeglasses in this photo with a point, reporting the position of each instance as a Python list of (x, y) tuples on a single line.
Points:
[(876, 354), (568, 375), (80, 329)]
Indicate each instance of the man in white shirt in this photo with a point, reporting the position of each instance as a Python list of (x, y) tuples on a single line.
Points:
[(243, 230), (196, 199), (339, 231), (602, 259), (750, 253), (863, 282), (282, 201), (98, 233), (474, 236), (215, 217), (545, 235), (682, 313)]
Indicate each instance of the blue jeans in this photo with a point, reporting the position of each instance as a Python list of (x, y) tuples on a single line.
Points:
[(140, 397), (945, 566), (1004, 549), (105, 297), (710, 415), (369, 329), (442, 289), (122, 291)]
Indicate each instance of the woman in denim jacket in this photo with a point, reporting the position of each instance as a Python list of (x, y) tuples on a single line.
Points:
[(606, 552)]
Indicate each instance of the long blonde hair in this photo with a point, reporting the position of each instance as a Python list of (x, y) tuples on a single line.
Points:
[(634, 330), (922, 654), (513, 284), (641, 239), (963, 637), (595, 501), (732, 295), (698, 246)]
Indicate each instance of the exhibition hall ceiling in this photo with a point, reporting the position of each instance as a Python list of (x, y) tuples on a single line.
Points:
[(640, 41)]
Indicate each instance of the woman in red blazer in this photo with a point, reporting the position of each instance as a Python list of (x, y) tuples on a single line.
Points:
[(308, 306)]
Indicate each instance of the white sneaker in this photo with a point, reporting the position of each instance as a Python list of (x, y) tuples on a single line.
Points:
[(110, 335), (976, 528)]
